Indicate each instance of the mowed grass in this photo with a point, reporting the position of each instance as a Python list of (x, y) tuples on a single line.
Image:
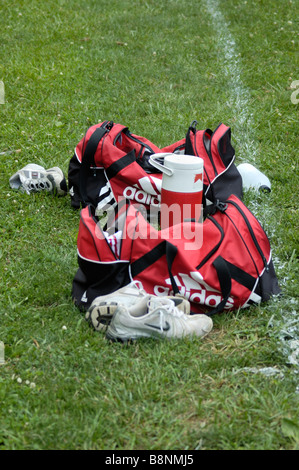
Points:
[(154, 66)]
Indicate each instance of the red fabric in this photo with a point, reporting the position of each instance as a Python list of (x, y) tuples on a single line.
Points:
[(200, 285)]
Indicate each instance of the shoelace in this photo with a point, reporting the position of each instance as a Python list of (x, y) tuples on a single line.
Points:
[(137, 289), (163, 306)]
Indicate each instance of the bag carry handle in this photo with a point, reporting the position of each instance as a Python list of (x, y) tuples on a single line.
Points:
[(164, 248), (170, 250), (88, 156), (225, 281), (159, 166)]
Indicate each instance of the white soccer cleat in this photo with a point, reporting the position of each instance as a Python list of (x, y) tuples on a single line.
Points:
[(56, 176), (157, 318), (34, 178), (103, 307)]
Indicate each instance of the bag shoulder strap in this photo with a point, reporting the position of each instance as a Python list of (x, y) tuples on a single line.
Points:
[(88, 156)]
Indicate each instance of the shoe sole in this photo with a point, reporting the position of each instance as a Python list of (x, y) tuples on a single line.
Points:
[(100, 315), (125, 339), (112, 335)]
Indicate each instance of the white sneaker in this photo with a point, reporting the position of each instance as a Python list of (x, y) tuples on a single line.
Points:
[(34, 178), (158, 318), (56, 176), (103, 307)]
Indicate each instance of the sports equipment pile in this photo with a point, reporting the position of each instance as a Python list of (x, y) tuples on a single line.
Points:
[(220, 263)]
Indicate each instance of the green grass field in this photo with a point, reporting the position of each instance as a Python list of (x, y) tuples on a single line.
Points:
[(154, 66)]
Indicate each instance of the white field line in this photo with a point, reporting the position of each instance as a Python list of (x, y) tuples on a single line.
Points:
[(2, 92), (238, 99), (231, 68)]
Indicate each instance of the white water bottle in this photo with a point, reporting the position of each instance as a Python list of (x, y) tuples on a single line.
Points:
[(182, 187), (252, 178)]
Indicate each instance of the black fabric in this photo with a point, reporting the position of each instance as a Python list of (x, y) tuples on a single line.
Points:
[(268, 283), (225, 149), (120, 164), (229, 182), (242, 277), (148, 259), (88, 160), (224, 277), (93, 143), (95, 279), (188, 145), (171, 251), (74, 181), (164, 248)]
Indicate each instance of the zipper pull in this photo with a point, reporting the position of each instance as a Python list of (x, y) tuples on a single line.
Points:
[(108, 125), (221, 206)]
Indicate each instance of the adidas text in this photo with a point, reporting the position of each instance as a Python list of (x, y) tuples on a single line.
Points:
[(140, 196), (194, 289)]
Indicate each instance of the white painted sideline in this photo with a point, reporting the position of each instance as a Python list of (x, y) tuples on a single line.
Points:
[(2, 357), (239, 102), (2, 93), (231, 68)]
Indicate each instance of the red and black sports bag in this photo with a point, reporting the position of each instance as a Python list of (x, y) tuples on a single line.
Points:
[(219, 265), (111, 163)]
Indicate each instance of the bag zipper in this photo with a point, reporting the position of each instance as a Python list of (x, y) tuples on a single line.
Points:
[(251, 233), (140, 143), (210, 254)]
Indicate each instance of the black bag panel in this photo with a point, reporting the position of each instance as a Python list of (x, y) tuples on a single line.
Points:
[(95, 182), (230, 182), (95, 279), (74, 181), (268, 283), (225, 148)]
